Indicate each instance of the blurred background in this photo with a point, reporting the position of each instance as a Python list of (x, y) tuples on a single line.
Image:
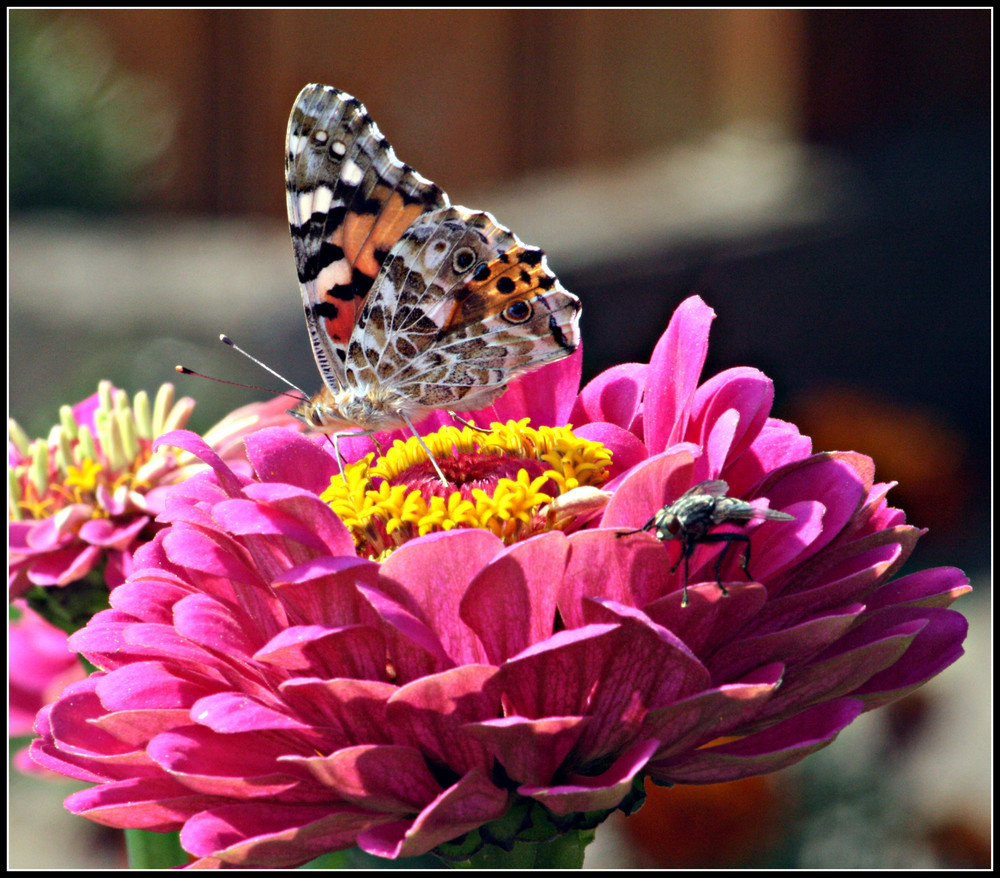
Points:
[(821, 178)]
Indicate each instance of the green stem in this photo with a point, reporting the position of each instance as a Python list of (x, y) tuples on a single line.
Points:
[(154, 850)]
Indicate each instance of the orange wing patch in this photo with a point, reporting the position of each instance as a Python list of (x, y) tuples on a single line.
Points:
[(515, 277)]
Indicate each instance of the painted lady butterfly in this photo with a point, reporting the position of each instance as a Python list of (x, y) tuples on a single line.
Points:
[(412, 304)]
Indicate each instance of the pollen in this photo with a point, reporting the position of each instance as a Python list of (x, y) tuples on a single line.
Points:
[(503, 480)]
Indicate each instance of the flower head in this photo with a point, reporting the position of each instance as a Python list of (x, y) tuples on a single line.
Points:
[(275, 695), (83, 499)]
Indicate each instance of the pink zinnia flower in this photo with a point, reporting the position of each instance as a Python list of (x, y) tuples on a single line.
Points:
[(84, 498), (41, 665), (274, 692)]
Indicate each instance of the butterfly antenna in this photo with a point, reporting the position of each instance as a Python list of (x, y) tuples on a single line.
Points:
[(184, 370), (225, 339)]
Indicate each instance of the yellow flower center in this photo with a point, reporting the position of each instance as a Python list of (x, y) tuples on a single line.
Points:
[(102, 461), (84, 476), (504, 481)]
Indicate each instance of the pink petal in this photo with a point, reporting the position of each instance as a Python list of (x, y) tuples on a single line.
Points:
[(680, 353)]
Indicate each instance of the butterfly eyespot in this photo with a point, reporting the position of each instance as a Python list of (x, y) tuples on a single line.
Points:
[(320, 136), (517, 312), (464, 259), (481, 273)]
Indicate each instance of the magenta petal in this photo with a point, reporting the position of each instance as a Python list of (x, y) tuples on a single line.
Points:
[(613, 396), (605, 790), (198, 551), (355, 651), (936, 646), (431, 575), (530, 750), (274, 834), (104, 533), (680, 353), (191, 442), (356, 709), (794, 643), (229, 712), (157, 805), (937, 587), (147, 685), (311, 515), (559, 677), (433, 711), (243, 765), (745, 392), (282, 455), (246, 517), (510, 603), (467, 804), (626, 449), (649, 487), (682, 725), (64, 566), (777, 747), (630, 570), (379, 777), (327, 589)]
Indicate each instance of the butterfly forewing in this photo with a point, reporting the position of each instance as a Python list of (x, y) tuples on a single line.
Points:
[(349, 201)]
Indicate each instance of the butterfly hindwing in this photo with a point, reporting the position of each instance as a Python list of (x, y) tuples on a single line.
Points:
[(461, 307)]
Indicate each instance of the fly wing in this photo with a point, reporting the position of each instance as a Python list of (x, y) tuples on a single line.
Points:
[(713, 488), (733, 509)]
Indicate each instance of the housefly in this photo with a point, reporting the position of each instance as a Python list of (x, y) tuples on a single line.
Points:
[(690, 517)]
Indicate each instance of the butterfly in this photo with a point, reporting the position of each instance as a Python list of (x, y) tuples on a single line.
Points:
[(699, 508), (412, 304)]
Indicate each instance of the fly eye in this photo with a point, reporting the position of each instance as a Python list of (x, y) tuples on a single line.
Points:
[(463, 260), (517, 312)]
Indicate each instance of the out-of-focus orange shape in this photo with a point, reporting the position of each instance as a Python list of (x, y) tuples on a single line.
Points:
[(708, 826), (910, 444)]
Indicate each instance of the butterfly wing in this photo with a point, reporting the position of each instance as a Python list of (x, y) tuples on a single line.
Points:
[(350, 200), (460, 307)]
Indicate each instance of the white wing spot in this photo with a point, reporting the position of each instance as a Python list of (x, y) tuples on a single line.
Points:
[(335, 274), (351, 173), (322, 199), (435, 252), (338, 147)]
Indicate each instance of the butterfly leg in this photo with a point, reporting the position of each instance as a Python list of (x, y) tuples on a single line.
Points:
[(423, 445), (336, 448), (467, 423)]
